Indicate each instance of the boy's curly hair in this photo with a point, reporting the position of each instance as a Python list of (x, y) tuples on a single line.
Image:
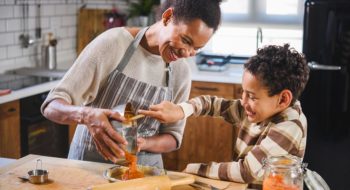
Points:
[(279, 68)]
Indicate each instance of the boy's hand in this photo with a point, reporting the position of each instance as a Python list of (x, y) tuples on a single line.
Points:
[(165, 112), (141, 144)]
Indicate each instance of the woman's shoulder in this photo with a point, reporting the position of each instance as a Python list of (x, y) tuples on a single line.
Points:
[(181, 67), (119, 34)]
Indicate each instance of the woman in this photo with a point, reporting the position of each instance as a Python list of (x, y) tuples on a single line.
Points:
[(141, 66)]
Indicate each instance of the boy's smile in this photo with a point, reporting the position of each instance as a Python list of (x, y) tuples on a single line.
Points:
[(258, 105)]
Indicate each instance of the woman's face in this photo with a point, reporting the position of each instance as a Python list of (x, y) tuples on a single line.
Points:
[(257, 103), (182, 39)]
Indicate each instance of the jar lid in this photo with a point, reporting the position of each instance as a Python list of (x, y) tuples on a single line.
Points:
[(282, 161)]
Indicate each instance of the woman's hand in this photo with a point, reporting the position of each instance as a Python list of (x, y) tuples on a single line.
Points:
[(105, 137), (165, 112)]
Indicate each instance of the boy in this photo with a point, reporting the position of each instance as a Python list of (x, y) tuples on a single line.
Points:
[(269, 115)]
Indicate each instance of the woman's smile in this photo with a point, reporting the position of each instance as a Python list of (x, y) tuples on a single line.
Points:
[(172, 55)]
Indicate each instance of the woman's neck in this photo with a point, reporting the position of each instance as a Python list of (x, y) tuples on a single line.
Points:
[(150, 40)]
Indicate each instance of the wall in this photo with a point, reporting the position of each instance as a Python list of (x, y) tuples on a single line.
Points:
[(57, 16)]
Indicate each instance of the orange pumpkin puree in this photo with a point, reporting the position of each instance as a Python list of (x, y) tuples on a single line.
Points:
[(275, 182), (132, 172)]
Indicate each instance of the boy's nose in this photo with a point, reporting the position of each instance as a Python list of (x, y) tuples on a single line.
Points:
[(243, 99)]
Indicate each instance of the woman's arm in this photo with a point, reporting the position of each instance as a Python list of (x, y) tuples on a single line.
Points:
[(97, 122), (167, 112)]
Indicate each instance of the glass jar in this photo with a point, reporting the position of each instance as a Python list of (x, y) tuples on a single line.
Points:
[(283, 173)]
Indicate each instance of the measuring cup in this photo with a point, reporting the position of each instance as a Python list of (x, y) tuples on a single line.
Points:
[(38, 176), (127, 130)]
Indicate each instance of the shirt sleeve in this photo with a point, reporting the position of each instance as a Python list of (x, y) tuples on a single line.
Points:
[(281, 139), (81, 83), (205, 105)]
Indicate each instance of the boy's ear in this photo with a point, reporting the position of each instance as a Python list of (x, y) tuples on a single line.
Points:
[(166, 16), (285, 99)]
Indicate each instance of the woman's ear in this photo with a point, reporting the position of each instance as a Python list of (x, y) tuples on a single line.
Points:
[(166, 16), (285, 99)]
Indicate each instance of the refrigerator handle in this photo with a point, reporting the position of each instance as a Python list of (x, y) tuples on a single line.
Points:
[(315, 66)]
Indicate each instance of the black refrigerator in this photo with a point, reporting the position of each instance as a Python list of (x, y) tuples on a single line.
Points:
[(325, 101)]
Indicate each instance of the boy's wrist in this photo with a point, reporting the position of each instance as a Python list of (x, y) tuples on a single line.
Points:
[(187, 109)]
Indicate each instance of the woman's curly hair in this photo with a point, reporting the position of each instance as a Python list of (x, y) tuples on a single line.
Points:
[(187, 10), (279, 68)]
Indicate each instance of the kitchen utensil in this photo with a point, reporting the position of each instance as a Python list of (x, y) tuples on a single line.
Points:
[(136, 117), (163, 182), (205, 186), (207, 183), (115, 173), (38, 176), (127, 129), (24, 37), (37, 21), (49, 52)]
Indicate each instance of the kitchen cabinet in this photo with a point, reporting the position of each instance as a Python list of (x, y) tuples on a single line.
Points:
[(205, 139), (10, 144)]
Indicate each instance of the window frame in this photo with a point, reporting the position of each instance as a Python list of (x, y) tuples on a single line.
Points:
[(256, 14)]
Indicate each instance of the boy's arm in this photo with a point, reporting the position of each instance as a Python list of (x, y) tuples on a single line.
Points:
[(284, 138), (231, 110), (168, 112)]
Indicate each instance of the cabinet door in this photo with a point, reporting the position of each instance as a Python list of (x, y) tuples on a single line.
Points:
[(205, 139), (10, 145)]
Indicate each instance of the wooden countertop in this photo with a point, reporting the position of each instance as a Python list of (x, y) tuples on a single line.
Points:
[(69, 174)]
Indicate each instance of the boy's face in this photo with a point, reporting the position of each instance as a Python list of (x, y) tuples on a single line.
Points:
[(258, 105)]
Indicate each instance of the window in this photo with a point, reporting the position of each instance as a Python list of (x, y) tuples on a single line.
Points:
[(280, 22), (243, 42), (263, 11)]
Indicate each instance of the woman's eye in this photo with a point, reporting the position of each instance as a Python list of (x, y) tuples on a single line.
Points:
[(185, 41)]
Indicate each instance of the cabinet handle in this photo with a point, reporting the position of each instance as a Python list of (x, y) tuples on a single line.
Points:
[(10, 110), (207, 88)]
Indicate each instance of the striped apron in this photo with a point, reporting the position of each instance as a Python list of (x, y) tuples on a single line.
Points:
[(120, 89)]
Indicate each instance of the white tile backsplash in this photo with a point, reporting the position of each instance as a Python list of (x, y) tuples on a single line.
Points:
[(10, 1), (57, 16), (61, 32), (2, 25), (6, 12), (6, 39), (69, 20), (61, 10), (55, 22), (14, 51), (3, 52), (48, 10), (13, 25)]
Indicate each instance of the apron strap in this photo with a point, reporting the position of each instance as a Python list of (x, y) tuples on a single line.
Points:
[(131, 49)]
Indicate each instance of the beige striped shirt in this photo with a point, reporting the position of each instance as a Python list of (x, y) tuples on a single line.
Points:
[(284, 133)]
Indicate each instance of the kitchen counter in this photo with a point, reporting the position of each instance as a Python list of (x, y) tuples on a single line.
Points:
[(29, 91), (28, 81), (76, 174), (233, 75), (6, 161)]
